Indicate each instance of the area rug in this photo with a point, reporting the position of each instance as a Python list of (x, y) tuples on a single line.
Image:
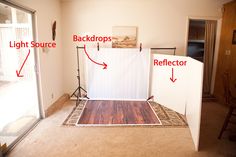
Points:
[(168, 117)]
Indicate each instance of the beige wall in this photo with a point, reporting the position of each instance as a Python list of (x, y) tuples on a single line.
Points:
[(50, 63), (160, 24)]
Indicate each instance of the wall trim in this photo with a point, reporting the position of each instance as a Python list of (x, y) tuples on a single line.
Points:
[(57, 105)]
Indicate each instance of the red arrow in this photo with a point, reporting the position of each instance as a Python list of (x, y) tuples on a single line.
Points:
[(102, 64), (18, 72), (172, 78)]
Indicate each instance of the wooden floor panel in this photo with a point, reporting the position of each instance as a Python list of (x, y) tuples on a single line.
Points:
[(117, 112)]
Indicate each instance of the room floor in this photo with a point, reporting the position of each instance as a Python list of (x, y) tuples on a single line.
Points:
[(50, 139)]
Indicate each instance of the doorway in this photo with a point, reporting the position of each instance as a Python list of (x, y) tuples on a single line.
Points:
[(19, 101), (201, 46)]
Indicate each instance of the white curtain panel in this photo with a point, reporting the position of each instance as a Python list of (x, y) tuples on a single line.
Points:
[(126, 76)]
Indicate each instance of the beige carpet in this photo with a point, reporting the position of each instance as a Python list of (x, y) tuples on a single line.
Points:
[(167, 116), (51, 139)]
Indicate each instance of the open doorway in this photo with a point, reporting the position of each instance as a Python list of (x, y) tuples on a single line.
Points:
[(19, 101), (201, 46)]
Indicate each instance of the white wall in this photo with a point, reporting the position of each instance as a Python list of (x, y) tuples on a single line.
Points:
[(51, 63), (160, 23)]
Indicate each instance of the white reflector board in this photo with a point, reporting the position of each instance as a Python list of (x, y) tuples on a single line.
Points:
[(194, 99), (185, 94), (168, 93)]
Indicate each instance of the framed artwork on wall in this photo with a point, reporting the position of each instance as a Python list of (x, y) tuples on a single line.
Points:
[(234, 37), (124, 36)]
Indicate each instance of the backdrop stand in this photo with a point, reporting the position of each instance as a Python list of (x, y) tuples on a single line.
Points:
[(78, 92)]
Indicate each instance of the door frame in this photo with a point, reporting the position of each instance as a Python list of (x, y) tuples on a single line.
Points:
[(217, 43), (36, 67)]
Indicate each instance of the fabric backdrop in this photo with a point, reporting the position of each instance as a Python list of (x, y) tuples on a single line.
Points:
[(126, 76)]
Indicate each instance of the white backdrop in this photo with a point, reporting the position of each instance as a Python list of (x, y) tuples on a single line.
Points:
[(126, 76)]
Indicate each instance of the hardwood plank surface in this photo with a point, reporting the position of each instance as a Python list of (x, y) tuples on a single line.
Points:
[(117, 112)]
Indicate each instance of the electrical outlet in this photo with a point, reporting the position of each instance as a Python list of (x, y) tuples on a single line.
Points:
[(45, 49), (52, 95), (227, 52)]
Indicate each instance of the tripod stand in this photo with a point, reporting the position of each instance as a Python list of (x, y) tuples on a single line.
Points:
[(77, 93)]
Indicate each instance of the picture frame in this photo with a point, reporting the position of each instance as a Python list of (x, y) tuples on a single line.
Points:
[(124, 36), (234, 37)]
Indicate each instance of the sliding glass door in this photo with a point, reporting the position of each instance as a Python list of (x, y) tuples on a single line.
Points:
[(19, 103)]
